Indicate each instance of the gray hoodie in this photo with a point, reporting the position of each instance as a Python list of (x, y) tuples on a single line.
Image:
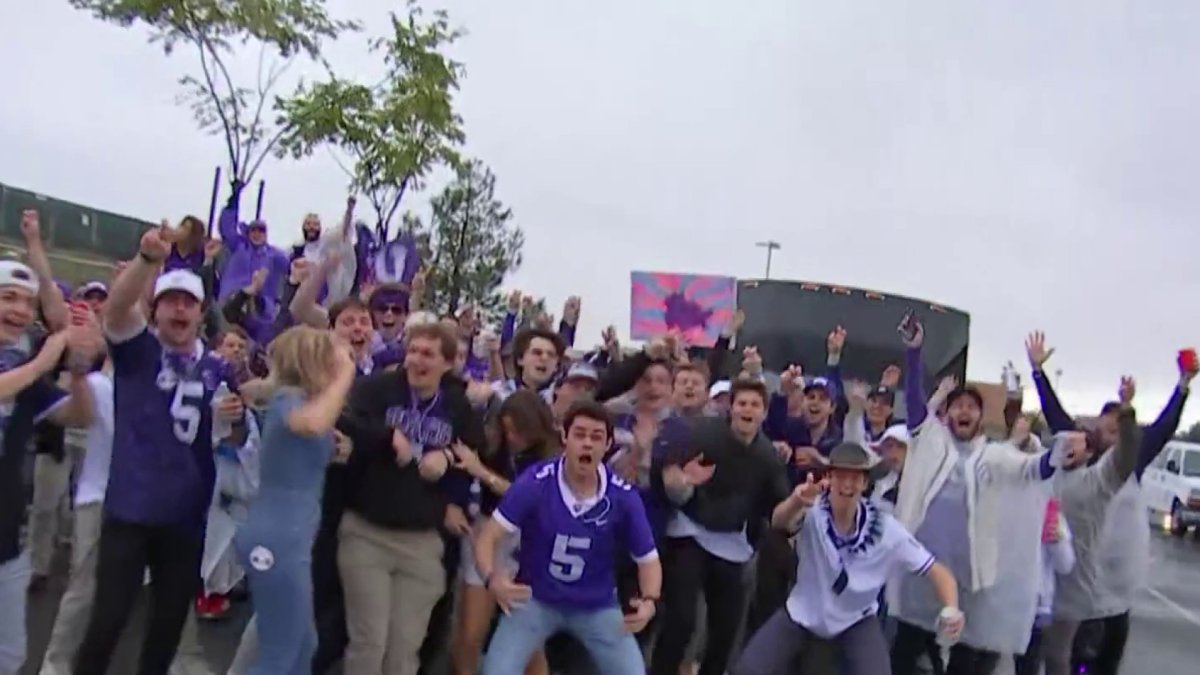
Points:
[(1084, 495)]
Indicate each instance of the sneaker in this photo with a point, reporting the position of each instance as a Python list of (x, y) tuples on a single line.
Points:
[(212, 607)]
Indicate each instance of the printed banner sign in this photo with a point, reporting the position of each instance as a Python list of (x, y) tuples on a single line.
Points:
[(696, 305)]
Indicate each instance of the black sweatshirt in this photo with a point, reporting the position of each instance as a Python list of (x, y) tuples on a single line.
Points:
[(749, 480), (378, 489)]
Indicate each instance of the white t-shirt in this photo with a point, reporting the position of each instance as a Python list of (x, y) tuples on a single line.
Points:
[(93, 475), (879, 547)]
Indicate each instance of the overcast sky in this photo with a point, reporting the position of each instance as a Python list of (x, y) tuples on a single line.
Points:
[(1031, 163)]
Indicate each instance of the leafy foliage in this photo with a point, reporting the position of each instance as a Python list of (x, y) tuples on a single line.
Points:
[(1192, 435), (396, 131), (469, 244), (214, 28)]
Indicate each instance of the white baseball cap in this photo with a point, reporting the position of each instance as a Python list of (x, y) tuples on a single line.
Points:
[(896, 432), (719, 387), (13, 273), (91, 287), (180, 280), (582, 371)]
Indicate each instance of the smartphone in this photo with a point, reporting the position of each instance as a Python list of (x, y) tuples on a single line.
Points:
[(908, 325)]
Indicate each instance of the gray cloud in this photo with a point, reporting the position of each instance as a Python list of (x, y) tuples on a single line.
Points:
[(1030, 164)]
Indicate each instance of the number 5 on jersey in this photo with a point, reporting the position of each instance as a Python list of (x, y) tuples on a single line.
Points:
[(185, 410), (566, 563)]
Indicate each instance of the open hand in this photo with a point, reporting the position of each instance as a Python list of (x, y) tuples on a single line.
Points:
[(508, 593), (1126, 391), (856, 394), (890, 377), (1035, 349)]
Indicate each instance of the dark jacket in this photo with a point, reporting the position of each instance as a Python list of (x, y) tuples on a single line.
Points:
[(378, 489), (749, 480)]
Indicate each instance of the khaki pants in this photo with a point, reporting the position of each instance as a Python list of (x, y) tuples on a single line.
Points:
[(50, 513), (392, 580), (75, 608)]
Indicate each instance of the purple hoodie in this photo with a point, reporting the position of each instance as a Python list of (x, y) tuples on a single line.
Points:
[(245, 258)]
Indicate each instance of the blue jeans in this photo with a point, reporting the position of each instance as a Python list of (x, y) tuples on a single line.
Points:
[(14, 585), (600, 631), (279, 569)]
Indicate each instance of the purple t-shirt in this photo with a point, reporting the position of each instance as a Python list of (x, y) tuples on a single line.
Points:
[(162, 463), (569, 548)]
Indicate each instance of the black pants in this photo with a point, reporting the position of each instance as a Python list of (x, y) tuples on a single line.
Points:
[(911, 642), (688, 571), (435, 648), (329, 605), (774, 578), (1030, 663), (1115, 633), (126, 549)]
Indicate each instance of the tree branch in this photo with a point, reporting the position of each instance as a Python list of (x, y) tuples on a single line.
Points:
[(283, 129), (233, 100), (212, 92), (387, 223)]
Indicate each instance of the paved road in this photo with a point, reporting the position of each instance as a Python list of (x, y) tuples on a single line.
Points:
[(1164, 639)]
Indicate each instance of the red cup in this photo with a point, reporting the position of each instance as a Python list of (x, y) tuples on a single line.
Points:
[(1188, 361)]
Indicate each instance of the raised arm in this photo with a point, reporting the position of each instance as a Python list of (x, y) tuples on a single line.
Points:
[(1155, 436), (304, 308), (1056, 417), (54, 306), (854, 428), (914, 375), (1122, 460), (122, 313)]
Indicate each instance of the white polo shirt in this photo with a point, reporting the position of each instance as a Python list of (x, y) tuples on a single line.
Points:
[(878, 547), (93, 474)]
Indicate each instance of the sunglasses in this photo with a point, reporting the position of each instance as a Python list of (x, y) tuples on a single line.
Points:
[(393, 309)]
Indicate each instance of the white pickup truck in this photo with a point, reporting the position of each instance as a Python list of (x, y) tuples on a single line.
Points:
[(1171, 485)]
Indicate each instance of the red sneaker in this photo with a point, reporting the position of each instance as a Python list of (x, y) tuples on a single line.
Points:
[(212, 607)]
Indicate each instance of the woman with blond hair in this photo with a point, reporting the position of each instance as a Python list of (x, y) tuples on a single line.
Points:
[(311, 377)]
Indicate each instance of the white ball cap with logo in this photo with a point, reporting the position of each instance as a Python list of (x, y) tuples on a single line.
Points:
[(180, 280), (13, 273)]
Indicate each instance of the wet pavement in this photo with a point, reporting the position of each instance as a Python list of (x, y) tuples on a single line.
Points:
[(1164, 637)]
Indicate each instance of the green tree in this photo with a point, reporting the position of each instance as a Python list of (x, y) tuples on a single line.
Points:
[(469, 244), (1192, 435), (245, 116), (393, 132)]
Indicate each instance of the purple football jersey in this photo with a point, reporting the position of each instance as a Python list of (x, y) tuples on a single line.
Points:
[(569, 548), (162, 464)]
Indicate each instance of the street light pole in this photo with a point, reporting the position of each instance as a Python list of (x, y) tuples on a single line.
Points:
[(771, 247)]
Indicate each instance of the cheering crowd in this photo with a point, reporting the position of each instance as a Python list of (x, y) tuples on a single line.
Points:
[(388, 484)]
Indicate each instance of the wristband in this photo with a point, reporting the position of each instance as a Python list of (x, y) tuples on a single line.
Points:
[(148, 259)]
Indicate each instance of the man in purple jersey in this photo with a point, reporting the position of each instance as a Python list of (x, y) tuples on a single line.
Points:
[(162, 471), (574, 517)]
